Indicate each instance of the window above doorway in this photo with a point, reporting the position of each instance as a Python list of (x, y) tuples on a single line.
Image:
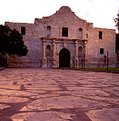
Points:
[(64, 32), (100, 34)]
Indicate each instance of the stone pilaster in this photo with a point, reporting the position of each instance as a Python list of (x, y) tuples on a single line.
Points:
[(84, 52), (76, 54), (54, 54), (44, 64)]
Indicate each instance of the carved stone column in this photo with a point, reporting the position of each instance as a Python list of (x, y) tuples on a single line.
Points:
[(54, 54), (84, 52), (44, 61), (76, 54), (53, 49)]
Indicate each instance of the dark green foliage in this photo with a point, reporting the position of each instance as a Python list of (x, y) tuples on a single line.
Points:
[(117, 22), (117, 42), (11, 42), (4, 38)]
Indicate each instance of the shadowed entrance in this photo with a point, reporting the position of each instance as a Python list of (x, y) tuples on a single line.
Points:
[(64, 58)]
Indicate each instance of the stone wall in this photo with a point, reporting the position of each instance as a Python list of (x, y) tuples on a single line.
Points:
[(94, 44), (78, 29), (62, 18), (34, 45)]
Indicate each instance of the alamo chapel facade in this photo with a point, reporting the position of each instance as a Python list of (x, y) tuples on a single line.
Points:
[(64, 40)]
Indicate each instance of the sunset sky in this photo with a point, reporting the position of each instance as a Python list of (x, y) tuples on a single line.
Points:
[(99, 12)]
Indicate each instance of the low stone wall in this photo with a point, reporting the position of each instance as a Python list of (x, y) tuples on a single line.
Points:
[(16, 61)]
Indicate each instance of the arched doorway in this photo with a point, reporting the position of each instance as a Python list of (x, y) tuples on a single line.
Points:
[(64, 58)]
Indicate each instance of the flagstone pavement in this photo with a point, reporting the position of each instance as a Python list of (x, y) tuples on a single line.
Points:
[(28, 94)]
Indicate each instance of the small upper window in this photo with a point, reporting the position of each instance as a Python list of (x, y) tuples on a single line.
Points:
[(100, 34), (23, 30), (80, 29), (80, 33), (48, 30), (65, 32), (48, 27), (101, 50), (86, 35)]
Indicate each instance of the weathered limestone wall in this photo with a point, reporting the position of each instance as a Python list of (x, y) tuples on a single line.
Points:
[(78, 29), (62, 18), (33, 58), (30, 29), (34, 45), (94, 44)]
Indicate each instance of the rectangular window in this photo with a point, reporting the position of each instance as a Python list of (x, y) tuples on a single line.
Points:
[(64, 32), (86, 35), (100, 34), (23, 30), (101, 50)]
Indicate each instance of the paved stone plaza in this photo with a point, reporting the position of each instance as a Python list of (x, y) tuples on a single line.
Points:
[(58, 95)]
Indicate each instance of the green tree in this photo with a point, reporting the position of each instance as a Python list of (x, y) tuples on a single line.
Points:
[(11, 43), (117, 21)]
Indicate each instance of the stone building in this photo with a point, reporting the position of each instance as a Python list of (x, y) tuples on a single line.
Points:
[(117, 50), (64, 40)]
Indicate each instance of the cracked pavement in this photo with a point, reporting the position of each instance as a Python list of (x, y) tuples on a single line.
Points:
[(28, 94)]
